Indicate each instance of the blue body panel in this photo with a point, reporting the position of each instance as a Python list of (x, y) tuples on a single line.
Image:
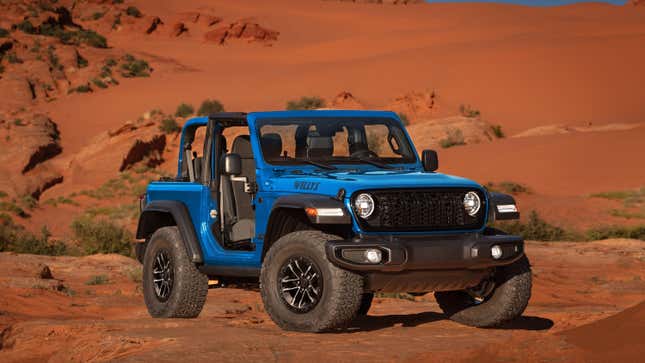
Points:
[(275, 181)]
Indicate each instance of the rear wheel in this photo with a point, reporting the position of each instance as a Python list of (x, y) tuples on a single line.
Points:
[(496, 300), (172, 285), (302, 290)]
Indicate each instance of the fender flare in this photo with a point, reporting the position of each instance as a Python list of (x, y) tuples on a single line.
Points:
[(163, 213), (314, 201), (499, 199)]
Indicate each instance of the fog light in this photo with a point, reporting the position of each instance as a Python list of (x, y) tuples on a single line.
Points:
[(373, 255), (496, 252)]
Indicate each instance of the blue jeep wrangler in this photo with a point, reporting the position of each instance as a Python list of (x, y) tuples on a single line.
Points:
[(324, 209)]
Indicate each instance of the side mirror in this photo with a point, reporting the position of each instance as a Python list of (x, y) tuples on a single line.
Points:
[(430, 160), (232, 164)]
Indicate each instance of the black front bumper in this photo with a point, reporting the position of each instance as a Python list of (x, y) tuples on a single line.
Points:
[(470, 251)]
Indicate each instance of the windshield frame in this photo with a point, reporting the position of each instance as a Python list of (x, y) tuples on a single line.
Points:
[(386, 118)]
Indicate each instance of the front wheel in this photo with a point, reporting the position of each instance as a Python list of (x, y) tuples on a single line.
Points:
[(496, 300), (302, 290), (172, 285)]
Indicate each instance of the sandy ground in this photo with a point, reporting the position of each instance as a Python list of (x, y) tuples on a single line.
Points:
[(587, 305)]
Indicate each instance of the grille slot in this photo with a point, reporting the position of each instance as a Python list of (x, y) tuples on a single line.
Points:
[(422, 210)]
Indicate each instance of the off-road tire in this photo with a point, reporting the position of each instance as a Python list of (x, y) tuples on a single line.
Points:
[(341, 293), (366, 303), (505, 303), (190, 287)]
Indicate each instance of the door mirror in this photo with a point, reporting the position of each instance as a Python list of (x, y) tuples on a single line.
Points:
[(232, 164), (430, 160)]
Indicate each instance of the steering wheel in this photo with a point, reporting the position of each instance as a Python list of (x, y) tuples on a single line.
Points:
[(364, 153)]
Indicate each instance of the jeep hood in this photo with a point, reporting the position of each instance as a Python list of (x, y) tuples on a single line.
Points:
[(329, 183)]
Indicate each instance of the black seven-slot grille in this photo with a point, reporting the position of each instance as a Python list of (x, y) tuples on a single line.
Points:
[(422, 210)]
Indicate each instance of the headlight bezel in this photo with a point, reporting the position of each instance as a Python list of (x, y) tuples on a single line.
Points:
[(367, 198), (472, 201)]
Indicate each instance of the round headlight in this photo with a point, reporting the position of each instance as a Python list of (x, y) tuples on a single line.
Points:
[(472, 203), (364, 205)]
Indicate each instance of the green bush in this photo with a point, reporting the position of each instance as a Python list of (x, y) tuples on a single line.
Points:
[(15, 238), (306, 103), (81, 62), (84, 88), (4, 33), (26, 27), (169, 126), (209, 107), (97, 15), (497, 131), (184, 110), (507, 187), (599, 233), (133, 12), (13, 58), (99, 83), (133, 67), (537, 229), (97, 280), (468, 111), (101, 236), (455, 137), (89, 37)]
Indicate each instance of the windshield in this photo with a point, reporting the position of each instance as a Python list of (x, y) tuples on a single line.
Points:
[(323, 141)]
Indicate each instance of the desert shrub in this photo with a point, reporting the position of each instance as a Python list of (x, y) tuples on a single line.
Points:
[(89, 37), (84, 88), (628, 197), (209, 107), (15, 238), (468, 111), (26, 26), (537, 229), (507, 187), (133, 11), (99, 83), (169, 126), (306, 103), (626, 214), (497, 131), (97, 280), (454, 138), (101, 236), (81, 62), (4, 33), (404, 118), (1, 68), (13, 58), (3, 194), (117, 1), (184, 110), (133, 67), (135, 274), (18, 122), (599, 233), (110, 62), (12, 207), (97, 15)]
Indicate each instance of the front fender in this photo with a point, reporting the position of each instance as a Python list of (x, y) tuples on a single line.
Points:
[(325, 207), (163, 213)]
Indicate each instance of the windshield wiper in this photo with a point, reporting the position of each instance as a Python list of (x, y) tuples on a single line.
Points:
[(373, 162), (314, 163)]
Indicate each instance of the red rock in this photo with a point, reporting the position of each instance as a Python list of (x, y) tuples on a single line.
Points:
[(244, 29)]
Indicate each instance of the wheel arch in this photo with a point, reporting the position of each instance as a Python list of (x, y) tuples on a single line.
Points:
[(288, 214), (165, 213)]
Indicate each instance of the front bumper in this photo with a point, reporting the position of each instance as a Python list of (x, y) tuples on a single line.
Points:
[(430, 252)]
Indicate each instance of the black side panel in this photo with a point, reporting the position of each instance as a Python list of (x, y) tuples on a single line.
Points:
[(304, 201), (505, 200), (162, 213)]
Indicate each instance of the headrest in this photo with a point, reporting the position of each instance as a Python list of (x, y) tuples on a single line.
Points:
[(271, 146), (242, 147), (319, 146)]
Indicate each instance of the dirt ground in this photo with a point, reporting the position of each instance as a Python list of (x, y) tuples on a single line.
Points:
[(587, 305)]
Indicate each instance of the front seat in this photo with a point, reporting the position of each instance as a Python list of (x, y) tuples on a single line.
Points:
[(244, 227)]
